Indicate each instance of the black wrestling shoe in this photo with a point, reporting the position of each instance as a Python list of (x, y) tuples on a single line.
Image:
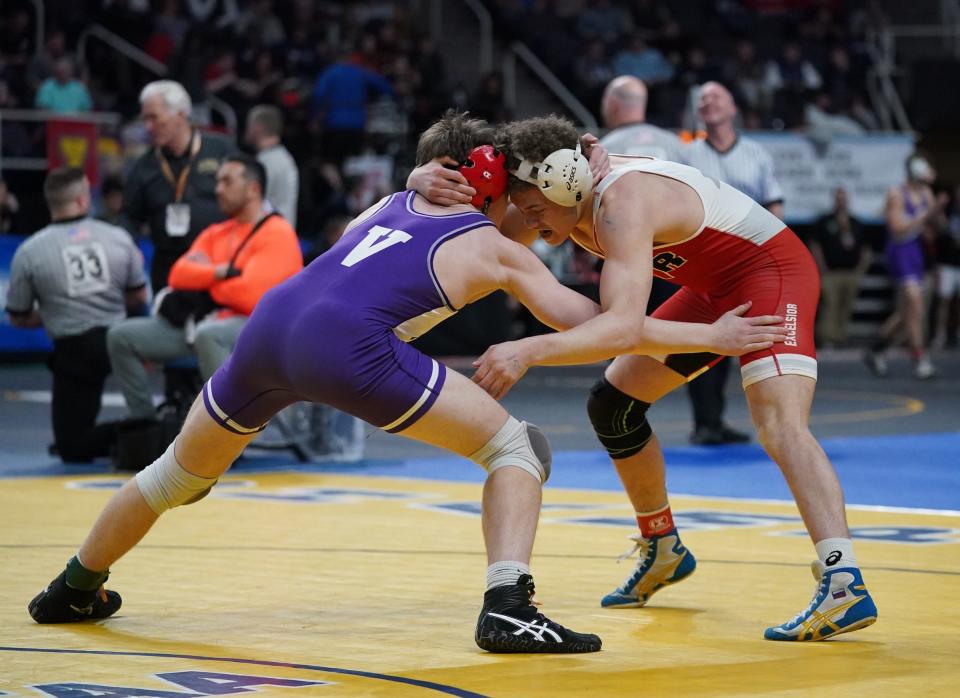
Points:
[(510, 623), (59, 603)]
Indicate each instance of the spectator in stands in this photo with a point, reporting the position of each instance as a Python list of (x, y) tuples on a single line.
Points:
[(218, 14), (822, 121), (339, 106), (16, 139), (324, 194), (743, 164), (171, 187), (948, 277), (333, 229), (41, 65), (171, 23), (624, 109), (82, 275), (488, 102), (111, 193), (8, 208), (260, 16), (16, 47), (745, 72), (604, 20), (842, 254), (264, 128), (220, 75), (592, 71), (554, 42), (911, 212), (62, 92), (643, 61), (261, 85), (301, 56), (131, 19), (697, 68), (839, 77), (789, 78), (228, 269), (169, 32), (653, 19), (863, 114)]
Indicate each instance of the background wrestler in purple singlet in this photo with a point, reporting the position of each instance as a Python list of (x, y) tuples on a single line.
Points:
[(911, 209)]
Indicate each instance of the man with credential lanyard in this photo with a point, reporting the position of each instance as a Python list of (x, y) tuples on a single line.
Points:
[(171, 188)]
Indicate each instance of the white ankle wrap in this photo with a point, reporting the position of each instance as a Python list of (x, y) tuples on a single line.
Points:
[(164, 483)]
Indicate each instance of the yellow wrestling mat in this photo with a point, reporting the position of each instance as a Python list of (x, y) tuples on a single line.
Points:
[(306, 584)]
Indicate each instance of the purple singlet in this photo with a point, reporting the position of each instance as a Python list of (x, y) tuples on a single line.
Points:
[(336, 332), (905, 257)]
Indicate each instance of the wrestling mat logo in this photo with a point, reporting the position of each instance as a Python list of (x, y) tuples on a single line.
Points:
[(271, 679)]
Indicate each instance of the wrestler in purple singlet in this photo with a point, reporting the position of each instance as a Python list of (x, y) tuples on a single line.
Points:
[(335, 333), (905, 257)]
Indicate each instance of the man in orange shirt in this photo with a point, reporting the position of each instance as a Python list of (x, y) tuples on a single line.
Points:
[(213, 287)]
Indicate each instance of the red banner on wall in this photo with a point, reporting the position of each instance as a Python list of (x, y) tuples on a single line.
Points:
[(73, 144)]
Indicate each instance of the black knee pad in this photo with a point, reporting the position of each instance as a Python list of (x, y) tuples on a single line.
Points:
[(619, 420)]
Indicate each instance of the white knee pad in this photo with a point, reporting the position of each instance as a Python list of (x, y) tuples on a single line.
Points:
[(517, 444), (164, 483)]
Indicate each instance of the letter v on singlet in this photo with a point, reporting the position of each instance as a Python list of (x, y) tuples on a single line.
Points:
[(371, 244)]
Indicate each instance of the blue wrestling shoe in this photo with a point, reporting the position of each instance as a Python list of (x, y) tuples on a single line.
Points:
[(841, 604), (662, 561)]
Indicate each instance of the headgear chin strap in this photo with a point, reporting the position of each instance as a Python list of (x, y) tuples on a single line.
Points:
[(564, 176)]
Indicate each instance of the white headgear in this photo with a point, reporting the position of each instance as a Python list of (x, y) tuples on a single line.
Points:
[(564, 176), (920, 169)]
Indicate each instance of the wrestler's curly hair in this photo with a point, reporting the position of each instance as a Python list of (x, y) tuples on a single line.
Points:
[(534, 139), (454, 135)]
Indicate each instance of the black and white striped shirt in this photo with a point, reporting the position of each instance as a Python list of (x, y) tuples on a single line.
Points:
[(746, 166), (77, 271)]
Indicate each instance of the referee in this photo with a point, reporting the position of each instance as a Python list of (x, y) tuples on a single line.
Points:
[(76, 278), (171, 188), (745, 165), (724, 154)]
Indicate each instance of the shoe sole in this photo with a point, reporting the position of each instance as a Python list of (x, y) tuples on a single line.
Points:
[(640, 604), (44, 615), (859, 625), (508, 643)]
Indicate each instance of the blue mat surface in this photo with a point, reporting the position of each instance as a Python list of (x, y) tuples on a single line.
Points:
[(918, 471)]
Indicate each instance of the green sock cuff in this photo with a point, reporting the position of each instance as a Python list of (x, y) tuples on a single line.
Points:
[(79, 577)]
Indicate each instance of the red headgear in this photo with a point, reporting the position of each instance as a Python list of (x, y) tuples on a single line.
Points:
[(485, 170)]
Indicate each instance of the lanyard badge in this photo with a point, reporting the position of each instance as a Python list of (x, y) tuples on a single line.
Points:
[(177, 213)]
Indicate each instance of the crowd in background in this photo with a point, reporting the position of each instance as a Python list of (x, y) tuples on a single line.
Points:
[(349, 78), (365, 77), (792, 65)]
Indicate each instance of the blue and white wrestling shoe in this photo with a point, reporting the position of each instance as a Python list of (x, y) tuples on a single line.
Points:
[(841, 604), (663, 560)]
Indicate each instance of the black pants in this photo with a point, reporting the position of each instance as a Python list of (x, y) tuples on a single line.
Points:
[(80, 366), (163, 260), (706, 395)]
